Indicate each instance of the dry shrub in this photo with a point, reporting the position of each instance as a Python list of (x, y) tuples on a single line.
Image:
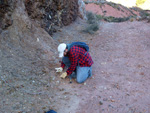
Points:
[(92, 21)]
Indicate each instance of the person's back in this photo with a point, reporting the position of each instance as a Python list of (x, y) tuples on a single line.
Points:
[(81, 56)]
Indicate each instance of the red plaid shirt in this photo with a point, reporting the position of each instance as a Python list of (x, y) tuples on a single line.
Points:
[(78, 54)]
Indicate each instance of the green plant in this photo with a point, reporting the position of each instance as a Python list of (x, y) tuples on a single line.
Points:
[(85, 2), (147, 14), (113, 19), (116, 6), (91, 18), (144, 14), (100, 5), (99, 17), (91, 29)]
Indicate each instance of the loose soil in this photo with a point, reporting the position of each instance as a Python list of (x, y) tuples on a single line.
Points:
[(120, 81)]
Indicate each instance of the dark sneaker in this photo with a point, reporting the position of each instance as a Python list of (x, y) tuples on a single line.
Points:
[(73, 75)]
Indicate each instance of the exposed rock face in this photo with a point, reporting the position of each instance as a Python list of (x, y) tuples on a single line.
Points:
[(28, 53), (82, 11), (25, 42), (49, 14), (6, 9), (21, 22), (52, 13), (25, 47)]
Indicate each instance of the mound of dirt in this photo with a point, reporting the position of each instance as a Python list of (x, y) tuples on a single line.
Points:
[(28, 54), (111, 9), (117, 12)]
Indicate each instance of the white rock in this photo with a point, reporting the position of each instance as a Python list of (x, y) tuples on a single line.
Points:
[(38, 40)]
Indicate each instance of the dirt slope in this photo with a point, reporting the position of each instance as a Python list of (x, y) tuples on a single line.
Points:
[(27, 52)]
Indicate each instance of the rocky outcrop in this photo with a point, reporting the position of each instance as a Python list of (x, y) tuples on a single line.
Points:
[(53, 13), (6, 9), (26, 48), (24, 44), (48, 14), (82, 11), (28, 53)]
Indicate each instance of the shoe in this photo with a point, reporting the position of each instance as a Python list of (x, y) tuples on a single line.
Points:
[(73, 75), (90, 74)]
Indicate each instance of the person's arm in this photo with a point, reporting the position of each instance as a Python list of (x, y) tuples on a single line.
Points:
[(74, 54), (62, 65)]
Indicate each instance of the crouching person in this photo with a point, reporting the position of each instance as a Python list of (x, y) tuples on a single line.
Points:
[(76, 58)]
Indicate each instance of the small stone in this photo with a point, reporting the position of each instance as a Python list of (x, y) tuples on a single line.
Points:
[(94, 87), (49, 16), (43, 108), (38, 40), (138, 18), (57, 82), (53, 78), (103, 63), (62, 89), (112, 100), (100, 102), (110, 106), (84, 83), (105, 99), (19, 111), (105, 87)]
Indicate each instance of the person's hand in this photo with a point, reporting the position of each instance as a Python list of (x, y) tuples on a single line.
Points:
[(60, 69), (63, 75)]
